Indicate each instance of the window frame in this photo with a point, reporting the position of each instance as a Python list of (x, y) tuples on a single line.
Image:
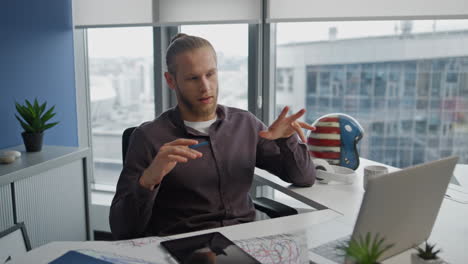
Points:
[(261, 73)]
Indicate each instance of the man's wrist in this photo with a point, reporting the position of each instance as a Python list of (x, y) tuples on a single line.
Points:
[(290, 142), (144, 183), (285, 139)]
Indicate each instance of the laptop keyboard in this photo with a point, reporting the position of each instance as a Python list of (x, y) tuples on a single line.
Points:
[(329, 251)]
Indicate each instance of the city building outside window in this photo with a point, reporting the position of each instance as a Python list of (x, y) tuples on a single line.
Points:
[(284, 79), (121, 87), (406, 82)]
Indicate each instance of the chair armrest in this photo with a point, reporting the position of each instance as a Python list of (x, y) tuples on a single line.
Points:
[(273, 208)]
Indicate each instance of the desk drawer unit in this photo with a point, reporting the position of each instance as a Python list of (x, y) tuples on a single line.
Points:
[(6, 207), (51, 204)]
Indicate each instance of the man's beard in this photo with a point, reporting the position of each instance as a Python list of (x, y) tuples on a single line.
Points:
[(197, 111)]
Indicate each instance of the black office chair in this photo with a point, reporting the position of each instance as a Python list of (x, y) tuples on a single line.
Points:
[(270, 207)]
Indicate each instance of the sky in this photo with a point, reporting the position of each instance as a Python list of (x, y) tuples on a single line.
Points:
[(232, 39)]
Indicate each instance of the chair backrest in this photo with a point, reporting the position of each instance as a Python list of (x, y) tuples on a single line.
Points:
[(14, 242), (125, 140)]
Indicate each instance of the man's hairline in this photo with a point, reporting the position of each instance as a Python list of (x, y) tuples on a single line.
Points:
[(191, 50)]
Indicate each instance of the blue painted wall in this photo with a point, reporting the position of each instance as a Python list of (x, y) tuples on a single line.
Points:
[(36, 60)]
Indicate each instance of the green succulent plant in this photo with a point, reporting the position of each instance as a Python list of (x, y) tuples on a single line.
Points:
[(428, 252), (34, 117), (365, 250)]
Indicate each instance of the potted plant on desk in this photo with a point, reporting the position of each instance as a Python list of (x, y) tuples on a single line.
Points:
[(34, 119), (426, 255), (364, 250)]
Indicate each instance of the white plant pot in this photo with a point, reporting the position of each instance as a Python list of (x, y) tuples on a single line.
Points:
[(415, 259)]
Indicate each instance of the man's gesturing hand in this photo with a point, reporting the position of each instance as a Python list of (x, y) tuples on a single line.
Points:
[(284, 127), (166, 159)]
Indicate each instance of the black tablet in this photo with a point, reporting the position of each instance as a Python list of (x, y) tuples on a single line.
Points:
[(207, 248)]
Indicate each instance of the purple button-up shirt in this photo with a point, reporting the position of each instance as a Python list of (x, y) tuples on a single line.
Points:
[(207, 192)]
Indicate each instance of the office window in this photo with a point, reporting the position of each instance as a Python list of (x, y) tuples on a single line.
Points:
[(231, 44), (353, 78), (121, 87), (394, 79), (325, 82), (284, 79), (367, 82), (380, 79), (311, 80), (424, 73), (407, 88), (337, 81)]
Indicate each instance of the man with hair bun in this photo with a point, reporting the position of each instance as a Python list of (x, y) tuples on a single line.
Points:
[(192, 167)]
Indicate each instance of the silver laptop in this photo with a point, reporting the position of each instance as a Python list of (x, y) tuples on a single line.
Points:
[(401, 206)]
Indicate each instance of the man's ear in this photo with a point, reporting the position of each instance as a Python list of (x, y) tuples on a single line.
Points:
[(170, 79)]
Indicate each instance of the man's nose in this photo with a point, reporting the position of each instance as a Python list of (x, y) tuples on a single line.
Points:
[(204, 84)]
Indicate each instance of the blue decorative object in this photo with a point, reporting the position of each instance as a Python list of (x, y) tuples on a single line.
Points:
[(335, 140)]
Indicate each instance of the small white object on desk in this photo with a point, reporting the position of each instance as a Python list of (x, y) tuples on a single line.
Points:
[(9, 156), (373, 171), (327, 172), (7, 159), (14, 153)]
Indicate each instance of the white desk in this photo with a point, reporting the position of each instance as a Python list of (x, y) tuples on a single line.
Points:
[(268, 227), (342, 198), (450, 231)]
